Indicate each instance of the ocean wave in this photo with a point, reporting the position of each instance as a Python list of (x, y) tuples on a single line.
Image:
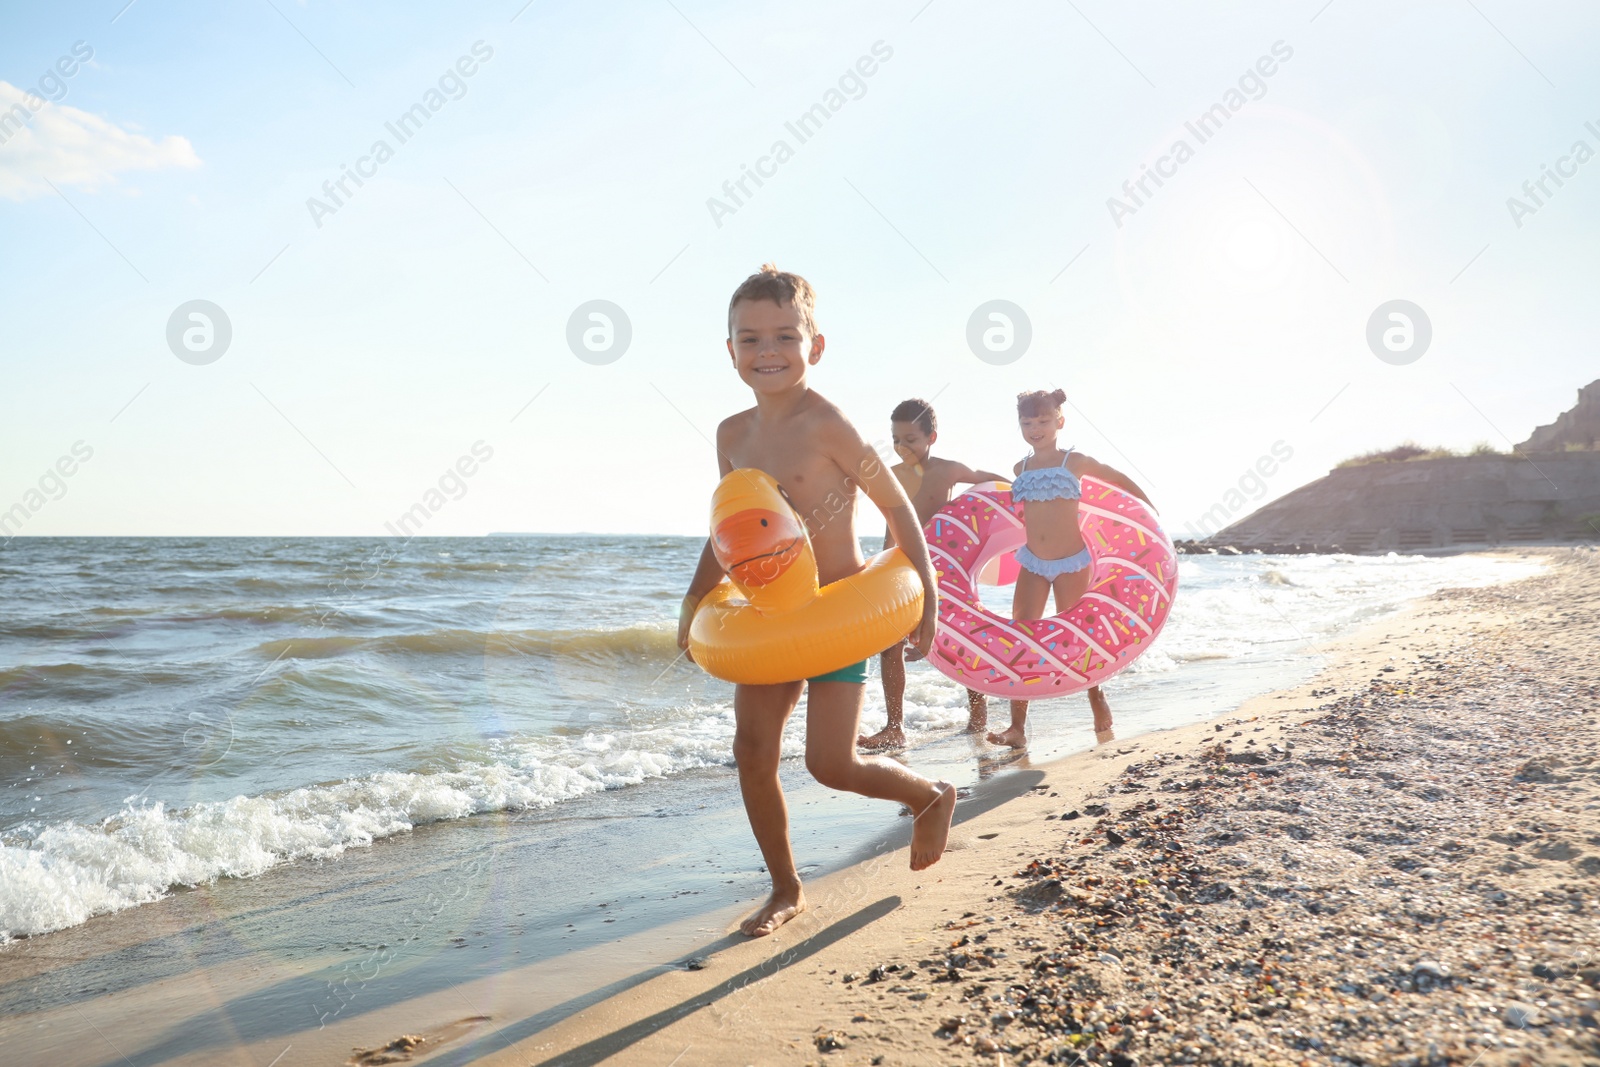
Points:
[(1229, 607), (265, 613), (160, 738), (285, 561), (124, 618), (633, 643), (68, 872), (447, 567), (82, 681), (251, 582), (45, 631)]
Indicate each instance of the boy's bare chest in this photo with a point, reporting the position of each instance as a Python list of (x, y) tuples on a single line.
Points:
[(809, 477), (930, 492)]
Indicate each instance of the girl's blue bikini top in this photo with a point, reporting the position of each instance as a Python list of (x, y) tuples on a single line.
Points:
[(1046, 483)]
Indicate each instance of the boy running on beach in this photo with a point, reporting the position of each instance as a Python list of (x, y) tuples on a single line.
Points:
[(818, 457), (929, 482)]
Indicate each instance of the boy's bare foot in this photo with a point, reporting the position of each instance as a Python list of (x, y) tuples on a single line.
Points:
[(781, 906), (931, 828), (1103, 737), (888, 737), (1012, 737)]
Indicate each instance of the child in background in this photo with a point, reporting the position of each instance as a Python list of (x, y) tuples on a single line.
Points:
[(1055, 558), (929, 482), (820, 460)]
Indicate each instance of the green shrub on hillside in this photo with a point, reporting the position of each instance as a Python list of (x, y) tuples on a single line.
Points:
[(1409, 450)]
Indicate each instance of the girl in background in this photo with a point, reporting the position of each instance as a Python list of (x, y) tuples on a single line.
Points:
[(1055, 559)]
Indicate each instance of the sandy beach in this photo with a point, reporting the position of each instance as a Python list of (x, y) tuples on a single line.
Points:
[(1392, 863)]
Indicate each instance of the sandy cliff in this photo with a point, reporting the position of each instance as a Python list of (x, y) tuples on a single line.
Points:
[(1547, 491)]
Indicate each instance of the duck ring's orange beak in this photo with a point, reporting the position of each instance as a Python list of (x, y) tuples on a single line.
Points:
[(757, 545)]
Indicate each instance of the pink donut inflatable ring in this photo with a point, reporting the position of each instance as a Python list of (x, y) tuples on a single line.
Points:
[(1131, 588)]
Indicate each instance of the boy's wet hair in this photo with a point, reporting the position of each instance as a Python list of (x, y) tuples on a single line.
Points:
[(1040, 402), (918, 411), (780, 287)]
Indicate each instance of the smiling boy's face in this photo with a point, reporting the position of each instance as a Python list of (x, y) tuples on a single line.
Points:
[(770, 348), (910, 442)]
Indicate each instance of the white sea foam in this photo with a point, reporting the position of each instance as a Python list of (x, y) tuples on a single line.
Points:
[(69, 872), (1229, 607)]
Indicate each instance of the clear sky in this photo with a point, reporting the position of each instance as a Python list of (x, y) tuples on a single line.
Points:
[(570, 153)]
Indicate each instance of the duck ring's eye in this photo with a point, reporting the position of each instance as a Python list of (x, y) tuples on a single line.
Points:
[(763, 522)]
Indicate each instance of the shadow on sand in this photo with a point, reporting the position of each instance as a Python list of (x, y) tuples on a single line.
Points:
[(281, 1009), (608, 1045)]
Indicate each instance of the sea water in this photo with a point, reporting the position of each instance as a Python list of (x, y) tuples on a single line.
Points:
[(179, 710)]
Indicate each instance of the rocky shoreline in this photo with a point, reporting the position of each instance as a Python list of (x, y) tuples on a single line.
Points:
[(1185, 547), (1209, 548), (1409, 876)]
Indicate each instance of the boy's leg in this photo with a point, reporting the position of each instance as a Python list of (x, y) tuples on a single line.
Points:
[(833, 711), (759, 712), (893, 665), (977, 711)]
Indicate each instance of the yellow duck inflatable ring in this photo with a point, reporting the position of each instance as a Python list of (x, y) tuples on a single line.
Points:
[(771, 622)]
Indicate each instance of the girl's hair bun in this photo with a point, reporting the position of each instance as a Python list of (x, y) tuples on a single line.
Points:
[(1039, 402)]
